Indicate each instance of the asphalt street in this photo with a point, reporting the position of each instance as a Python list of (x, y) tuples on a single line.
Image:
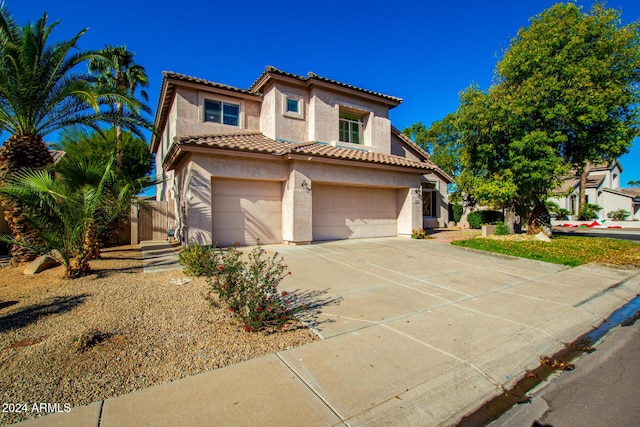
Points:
[(601, 391), (633, 235)]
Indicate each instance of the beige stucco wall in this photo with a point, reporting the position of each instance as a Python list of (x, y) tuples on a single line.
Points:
[(189, 118), (196, 187), (612, 202), (297, 200), (324, 110)]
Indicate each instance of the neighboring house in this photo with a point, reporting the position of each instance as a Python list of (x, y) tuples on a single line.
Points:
[(293, 159), (602, 189)]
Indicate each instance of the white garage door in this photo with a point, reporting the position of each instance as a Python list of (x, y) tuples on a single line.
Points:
[(245, 211), (341, 212)]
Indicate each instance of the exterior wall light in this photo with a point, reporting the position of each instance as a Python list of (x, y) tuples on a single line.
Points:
[(305, 185)]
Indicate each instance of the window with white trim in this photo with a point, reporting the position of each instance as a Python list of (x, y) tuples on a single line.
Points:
[(224, 113), (351, 127), (293, 105)]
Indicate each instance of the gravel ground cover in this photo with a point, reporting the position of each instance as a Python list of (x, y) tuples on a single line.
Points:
[(119, 330)]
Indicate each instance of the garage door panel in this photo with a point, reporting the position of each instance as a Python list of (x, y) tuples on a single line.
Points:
[(343, 212), (245, 211)]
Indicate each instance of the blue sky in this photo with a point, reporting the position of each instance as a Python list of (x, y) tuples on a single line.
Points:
[(422, 51)]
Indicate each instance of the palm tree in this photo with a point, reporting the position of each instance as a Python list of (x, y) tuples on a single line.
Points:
[(41, 91), (63, 209), (115, 68)]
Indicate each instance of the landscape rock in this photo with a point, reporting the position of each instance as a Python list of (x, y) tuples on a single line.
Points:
[(542, 237), (43, 262)]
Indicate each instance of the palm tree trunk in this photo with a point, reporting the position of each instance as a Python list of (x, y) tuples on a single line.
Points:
[(583, 186), (119, 164), (539, 220), (21, 152)]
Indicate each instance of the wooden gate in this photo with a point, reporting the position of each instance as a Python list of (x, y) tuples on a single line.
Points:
[(152, 221)]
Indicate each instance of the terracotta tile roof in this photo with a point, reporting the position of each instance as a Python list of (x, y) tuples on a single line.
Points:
[(620, 192), (256, 142), (190, 79), (167, 94), (595, 180), (255, 86), (420, 150), (329, 151), (635, 192)]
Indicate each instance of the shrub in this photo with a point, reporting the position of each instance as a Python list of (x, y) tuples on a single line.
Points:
[(588, 211), (250, 287), (556, 211), (562, 213), (620, 215), (419, 234), (502, 229), (457, 210), (199, 260), (478, 218)]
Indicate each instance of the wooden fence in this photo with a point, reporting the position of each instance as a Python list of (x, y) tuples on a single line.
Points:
[(151, 220)]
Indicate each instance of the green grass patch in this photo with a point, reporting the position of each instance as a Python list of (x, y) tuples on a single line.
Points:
[(566, 250)]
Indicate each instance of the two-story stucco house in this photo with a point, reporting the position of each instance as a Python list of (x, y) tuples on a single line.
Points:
[(602, 189), (293, 159)]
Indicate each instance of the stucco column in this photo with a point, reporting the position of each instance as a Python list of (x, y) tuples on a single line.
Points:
[(198, 200), (296, 209), (134, 223), (410, 210)]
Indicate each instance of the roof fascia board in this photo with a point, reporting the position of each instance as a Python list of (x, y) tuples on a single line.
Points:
[(353, 163), (161, 112), (222, 91), (356, 93)]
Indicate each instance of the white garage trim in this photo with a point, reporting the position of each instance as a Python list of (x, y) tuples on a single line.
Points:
[(246, 210), (351, 212)]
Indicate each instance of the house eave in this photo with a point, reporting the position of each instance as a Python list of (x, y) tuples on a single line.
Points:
[(179, 151)]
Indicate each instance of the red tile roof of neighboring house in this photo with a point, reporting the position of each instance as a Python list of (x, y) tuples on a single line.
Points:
[(256, 142), (593, 181), (310, 78), (634, 192)]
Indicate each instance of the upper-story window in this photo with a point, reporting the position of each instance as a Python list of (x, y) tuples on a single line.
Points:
[(293, 105), (225, 113), (351, 128)]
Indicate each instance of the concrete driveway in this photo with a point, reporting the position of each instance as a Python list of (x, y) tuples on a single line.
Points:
[(415, 333), (421, 332)]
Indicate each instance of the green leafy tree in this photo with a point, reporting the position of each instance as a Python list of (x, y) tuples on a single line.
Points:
[(83, 146), (116, 69), (574, 75), (634, 183), (441, 141), (41, 91), (78, 144), (565, 95)]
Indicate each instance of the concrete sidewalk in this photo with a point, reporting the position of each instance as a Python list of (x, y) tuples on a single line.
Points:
[(158, 255), (415, 333)]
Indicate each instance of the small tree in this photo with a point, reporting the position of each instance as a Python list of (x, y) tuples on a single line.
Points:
[(588, 211), (620, 215), (566, 94), (63, 213)]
